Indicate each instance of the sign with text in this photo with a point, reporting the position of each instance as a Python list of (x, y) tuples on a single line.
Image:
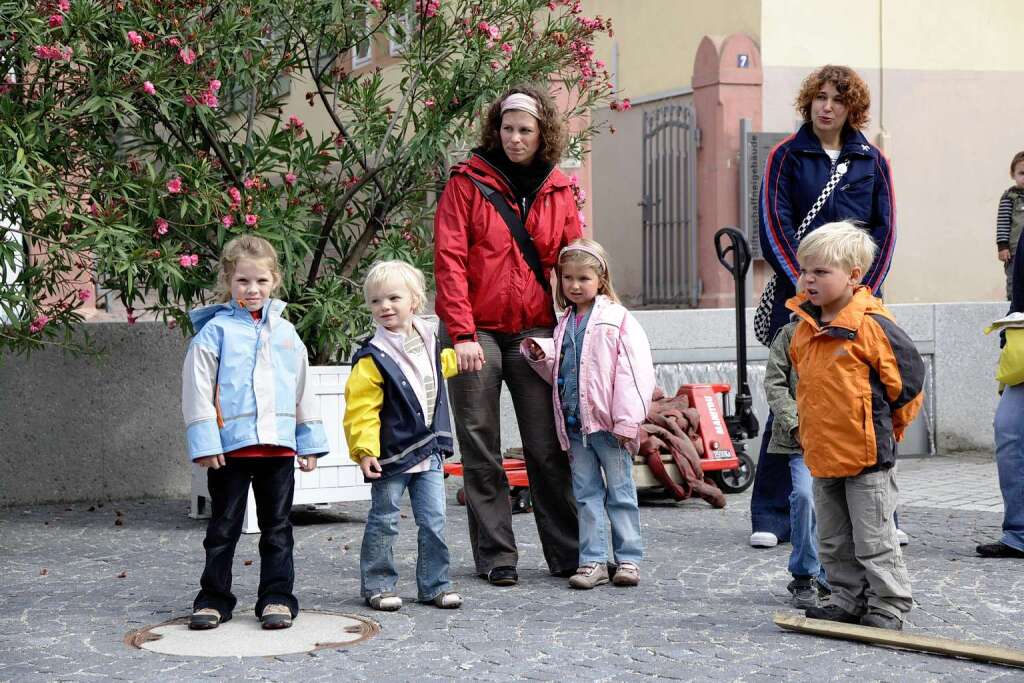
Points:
[(753, 154)]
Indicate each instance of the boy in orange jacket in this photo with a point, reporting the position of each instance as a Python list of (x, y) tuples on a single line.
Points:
[(860, 386)]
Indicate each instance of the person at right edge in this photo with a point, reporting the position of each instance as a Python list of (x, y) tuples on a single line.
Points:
[(1009, 437), (834, 103)]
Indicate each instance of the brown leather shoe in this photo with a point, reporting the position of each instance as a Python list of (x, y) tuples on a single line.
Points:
[(627, 574)]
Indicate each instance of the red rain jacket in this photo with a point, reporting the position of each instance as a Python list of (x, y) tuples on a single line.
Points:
[(483, 281)]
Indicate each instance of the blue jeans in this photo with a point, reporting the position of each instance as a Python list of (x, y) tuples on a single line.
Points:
[(594, 498), (769, 501), (803, 559), (1009, 434), (376, 558)]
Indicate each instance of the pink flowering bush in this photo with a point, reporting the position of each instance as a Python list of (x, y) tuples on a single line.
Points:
[(148, 134)]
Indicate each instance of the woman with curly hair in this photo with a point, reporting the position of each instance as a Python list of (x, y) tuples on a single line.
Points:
[(501, 221), (827, 171)]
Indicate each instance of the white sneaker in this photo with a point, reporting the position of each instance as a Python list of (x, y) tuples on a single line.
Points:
[(902, 537), (763, 539)]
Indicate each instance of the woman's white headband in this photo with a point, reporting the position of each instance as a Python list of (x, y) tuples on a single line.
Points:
[(521, 102)]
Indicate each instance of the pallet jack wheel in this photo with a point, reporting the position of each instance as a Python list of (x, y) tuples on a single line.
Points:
[(460, 496), (521, 500), (737, 480)]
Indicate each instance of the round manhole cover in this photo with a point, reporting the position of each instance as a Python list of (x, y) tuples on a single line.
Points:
[(244, 637)]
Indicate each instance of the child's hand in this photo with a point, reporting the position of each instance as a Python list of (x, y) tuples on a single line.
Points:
[(1004, 255), (307, 464), (370, 467), (623, 440), (214, 461), (536, 353)]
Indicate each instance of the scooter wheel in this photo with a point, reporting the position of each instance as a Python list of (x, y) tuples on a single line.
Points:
[(460, 496), (737, 480)]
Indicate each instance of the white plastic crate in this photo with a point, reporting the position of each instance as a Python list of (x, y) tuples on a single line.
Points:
[(336, 478)]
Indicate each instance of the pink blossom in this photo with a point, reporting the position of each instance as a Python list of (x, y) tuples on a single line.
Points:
[(161, 226), (599, 64), (250, 182), (375, 3), (428, 8), (582, 217), (148, 88), (227, 221), (39, 323), (552, 6), (295, 123), (55, 21), (187, 55), (174, 185), (94, 208), (251, 219), (188, 260), (626, 104), (209, 99), (506, 48), (429, 103), (64, 5), (290, 178), (494, 32), (214, 85), (173, 42), (495, 65), (135, 39), (84, 294), (236, 196), (53, 53), (574, 181), (172, 324)]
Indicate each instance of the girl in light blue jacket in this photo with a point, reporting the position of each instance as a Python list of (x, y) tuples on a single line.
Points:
[(248, 414)]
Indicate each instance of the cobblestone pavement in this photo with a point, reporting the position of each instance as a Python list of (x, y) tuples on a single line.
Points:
[(74, 583)]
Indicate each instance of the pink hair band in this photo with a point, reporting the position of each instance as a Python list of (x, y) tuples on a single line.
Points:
[(586, 250)]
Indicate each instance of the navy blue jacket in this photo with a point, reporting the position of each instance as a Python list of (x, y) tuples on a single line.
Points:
[(796, 171), (405, 437)]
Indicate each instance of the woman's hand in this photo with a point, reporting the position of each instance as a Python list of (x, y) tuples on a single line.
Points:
[(1004, 255), (307, 464), (470, 356), (536, 352), (214, 461)]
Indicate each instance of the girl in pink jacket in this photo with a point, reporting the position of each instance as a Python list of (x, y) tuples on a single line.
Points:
[(599, 365)]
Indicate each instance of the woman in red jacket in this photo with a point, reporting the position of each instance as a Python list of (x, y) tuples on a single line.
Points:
[(493, 291)]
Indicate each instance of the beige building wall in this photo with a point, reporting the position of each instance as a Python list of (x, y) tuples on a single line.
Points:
[(655, 41), (947, 87)]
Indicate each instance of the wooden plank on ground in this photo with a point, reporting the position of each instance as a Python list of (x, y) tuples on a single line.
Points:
[(907, 641)]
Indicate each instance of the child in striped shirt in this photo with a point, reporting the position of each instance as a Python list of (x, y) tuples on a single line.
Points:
[(1010, 220), (399, 431)]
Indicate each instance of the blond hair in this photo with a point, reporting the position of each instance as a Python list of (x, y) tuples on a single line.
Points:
[(581, 256), (244, 247), (841, 244), (383, 273)]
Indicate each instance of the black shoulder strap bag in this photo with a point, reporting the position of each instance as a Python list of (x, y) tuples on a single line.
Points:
[(518, 230)]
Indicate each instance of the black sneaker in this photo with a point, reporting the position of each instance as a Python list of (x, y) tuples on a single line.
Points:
[(998, 550), (503, 576), (804, 593), (878, 619), (832, 613), (823, 590)]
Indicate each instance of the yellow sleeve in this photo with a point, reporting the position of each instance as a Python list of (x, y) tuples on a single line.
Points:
[(364, 398), (449, 363)]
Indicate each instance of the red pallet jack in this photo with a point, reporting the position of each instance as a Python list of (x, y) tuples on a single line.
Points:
[(723, 433)]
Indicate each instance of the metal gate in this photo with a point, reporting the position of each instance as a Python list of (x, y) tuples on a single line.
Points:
[(669, 204)]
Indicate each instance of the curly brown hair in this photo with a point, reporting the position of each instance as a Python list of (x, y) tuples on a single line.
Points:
[(855, 92), (553, 136)]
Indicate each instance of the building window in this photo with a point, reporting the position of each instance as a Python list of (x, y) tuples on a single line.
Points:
[(362, 54), (402, 25)]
